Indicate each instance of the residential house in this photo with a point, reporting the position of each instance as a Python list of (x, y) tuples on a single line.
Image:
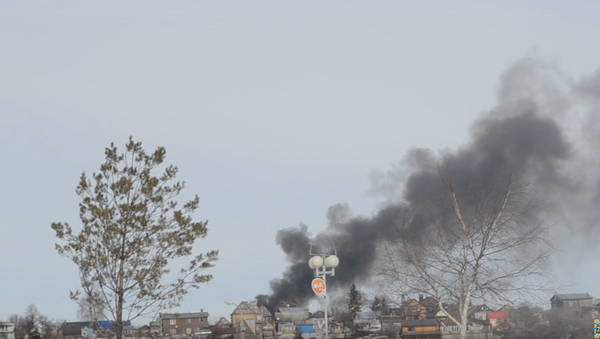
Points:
[(476, 329), (496, 319), (129, 331), (579, 303), (286, 328), (367, 321), (7, 330), (268, 331), (431, 306), (423, 308), (478, 312), (223, 322), (256, 316), (155, 329), (420, 329), (390, 323), (449, 310), (35, 333), (69, 331), (290, 315), (183, 323), (412, 310), (317, 319), (143, 331)]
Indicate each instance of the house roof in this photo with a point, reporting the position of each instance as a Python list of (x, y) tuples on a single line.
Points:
[(497, 315), (223, 321), (70, 329), (423, 322), (317, 314), (429, 302), (572, 296), (250, 308), (368, 315), (184, 315), (477, 308), (292, 310), (223, 330)]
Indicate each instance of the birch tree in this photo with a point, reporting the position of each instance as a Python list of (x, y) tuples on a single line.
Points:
[(91, 307), (132, 229), (472, 242)]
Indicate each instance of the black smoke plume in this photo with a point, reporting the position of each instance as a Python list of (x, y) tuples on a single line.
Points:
[(525, 133)]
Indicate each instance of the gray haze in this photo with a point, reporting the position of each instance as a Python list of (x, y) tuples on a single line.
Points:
[(276, 111)]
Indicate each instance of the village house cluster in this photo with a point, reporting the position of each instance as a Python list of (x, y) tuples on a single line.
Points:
[(418, 318)]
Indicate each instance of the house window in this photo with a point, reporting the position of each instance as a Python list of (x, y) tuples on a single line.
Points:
[(172, 321), (189, 321), (411, 329), (570, 304), (173, 331), (258, 317)]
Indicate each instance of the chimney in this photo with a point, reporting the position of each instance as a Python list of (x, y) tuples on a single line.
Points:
[(202, 310), (420, 297), (403, 297)]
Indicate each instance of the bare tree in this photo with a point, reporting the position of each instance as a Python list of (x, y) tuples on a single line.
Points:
[(30, 318), (18, 321), (472, 242), (91, 307), (340, 311), (47, 327)]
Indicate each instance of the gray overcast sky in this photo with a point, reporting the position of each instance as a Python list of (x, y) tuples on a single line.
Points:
[(273, 111)]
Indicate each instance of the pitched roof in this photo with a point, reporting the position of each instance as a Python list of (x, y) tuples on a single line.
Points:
[(250, 308), (572, 296), (317, 315), (223, 322), (71, 329), (477, 308), (423, 322), (497, 315), (292, 310), (184, 315)]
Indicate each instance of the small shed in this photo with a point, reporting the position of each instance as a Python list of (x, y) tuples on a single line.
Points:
[(305, 328)]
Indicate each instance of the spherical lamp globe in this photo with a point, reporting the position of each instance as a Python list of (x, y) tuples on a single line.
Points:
[(332, 261), (315, 262)]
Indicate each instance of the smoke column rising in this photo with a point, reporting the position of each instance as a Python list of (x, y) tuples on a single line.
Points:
[(535, 127)]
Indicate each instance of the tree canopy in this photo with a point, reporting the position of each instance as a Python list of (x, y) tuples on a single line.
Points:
[(132, 229)]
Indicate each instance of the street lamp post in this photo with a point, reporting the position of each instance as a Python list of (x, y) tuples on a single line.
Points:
[(242, 328), (324, 264)]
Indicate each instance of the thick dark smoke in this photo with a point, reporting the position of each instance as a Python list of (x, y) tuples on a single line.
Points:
[(526, 132)]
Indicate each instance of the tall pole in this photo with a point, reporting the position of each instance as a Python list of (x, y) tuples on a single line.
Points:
[(241, 328), (323, 264), (326, 306)]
